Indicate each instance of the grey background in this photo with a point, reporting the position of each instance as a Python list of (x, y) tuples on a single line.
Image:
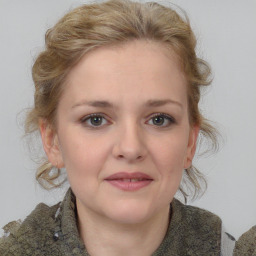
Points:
[(227, 39)]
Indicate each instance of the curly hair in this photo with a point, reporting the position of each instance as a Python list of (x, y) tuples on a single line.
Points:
[(108, 23)]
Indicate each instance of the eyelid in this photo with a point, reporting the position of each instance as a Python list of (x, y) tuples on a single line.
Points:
[(87, 117), (162, 114), (171, 119), (84, 118)]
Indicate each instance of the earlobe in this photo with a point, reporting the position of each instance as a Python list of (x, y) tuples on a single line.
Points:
[(191, 149), (51, 143)]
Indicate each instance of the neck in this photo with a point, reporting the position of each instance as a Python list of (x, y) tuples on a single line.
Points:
[(102, 236)]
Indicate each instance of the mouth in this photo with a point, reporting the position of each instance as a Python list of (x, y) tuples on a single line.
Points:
[(129, 181)]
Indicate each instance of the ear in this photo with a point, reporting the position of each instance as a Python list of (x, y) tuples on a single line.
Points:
[(51, 144), (191, 149)]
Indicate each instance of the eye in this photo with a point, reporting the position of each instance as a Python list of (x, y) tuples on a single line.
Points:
[(161, 120), (94, 120)]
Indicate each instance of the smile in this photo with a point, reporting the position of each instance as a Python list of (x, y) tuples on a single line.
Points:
[(129, 181)]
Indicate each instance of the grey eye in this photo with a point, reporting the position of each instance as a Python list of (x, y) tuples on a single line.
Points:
[(158, 120), (161, 120), (96, 120)]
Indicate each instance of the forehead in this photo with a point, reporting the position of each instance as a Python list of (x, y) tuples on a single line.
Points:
[(137, 69)]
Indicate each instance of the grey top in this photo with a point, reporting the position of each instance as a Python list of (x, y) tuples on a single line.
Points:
[(246, 244), (53, 231)]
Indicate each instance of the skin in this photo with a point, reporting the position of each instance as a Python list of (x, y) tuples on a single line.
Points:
[(134, 83)]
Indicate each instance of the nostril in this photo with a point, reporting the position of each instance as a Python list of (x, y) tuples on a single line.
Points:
[(130, 152), (123, 156)]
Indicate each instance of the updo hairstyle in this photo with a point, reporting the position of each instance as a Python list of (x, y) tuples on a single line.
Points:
[(109, 23)]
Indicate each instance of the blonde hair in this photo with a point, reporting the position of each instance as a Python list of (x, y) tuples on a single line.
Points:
[(115, 22)]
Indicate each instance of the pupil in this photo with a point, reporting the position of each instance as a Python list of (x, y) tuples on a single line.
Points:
[(97, 120), (158, 120)]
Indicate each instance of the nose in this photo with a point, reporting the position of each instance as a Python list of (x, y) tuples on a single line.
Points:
[(129, 144)]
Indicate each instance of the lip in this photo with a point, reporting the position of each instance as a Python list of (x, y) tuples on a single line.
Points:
[(129, 181)]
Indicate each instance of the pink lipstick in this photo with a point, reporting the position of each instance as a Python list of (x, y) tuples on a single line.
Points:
[(129, 181)]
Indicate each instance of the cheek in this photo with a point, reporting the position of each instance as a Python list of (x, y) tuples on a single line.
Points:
[(83, 156), (168, 160), (170, 153)]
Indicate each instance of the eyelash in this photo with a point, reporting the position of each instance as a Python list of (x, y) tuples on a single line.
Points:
[(89, 117), (167, 117), (170, 119)]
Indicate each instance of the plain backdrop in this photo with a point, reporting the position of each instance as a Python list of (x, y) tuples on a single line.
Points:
[(226, 39)]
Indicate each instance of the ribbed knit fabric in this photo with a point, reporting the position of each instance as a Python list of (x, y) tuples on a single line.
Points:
[(246, 244), (53, 231)]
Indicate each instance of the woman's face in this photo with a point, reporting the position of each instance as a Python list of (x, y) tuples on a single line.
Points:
[(123, 131)]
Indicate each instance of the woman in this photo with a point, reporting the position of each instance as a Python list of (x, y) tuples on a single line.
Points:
[(116, 103)]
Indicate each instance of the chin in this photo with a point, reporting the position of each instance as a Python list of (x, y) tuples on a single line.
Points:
[(128, 213)]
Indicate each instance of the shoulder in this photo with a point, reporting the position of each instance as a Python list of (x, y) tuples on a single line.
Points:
[(246, 244), (193, 231), (204, 230), (197, 217), (28, 237)]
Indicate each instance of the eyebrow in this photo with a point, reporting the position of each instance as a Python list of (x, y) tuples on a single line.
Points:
[(97, 103), (159, 103), (106, 104)]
